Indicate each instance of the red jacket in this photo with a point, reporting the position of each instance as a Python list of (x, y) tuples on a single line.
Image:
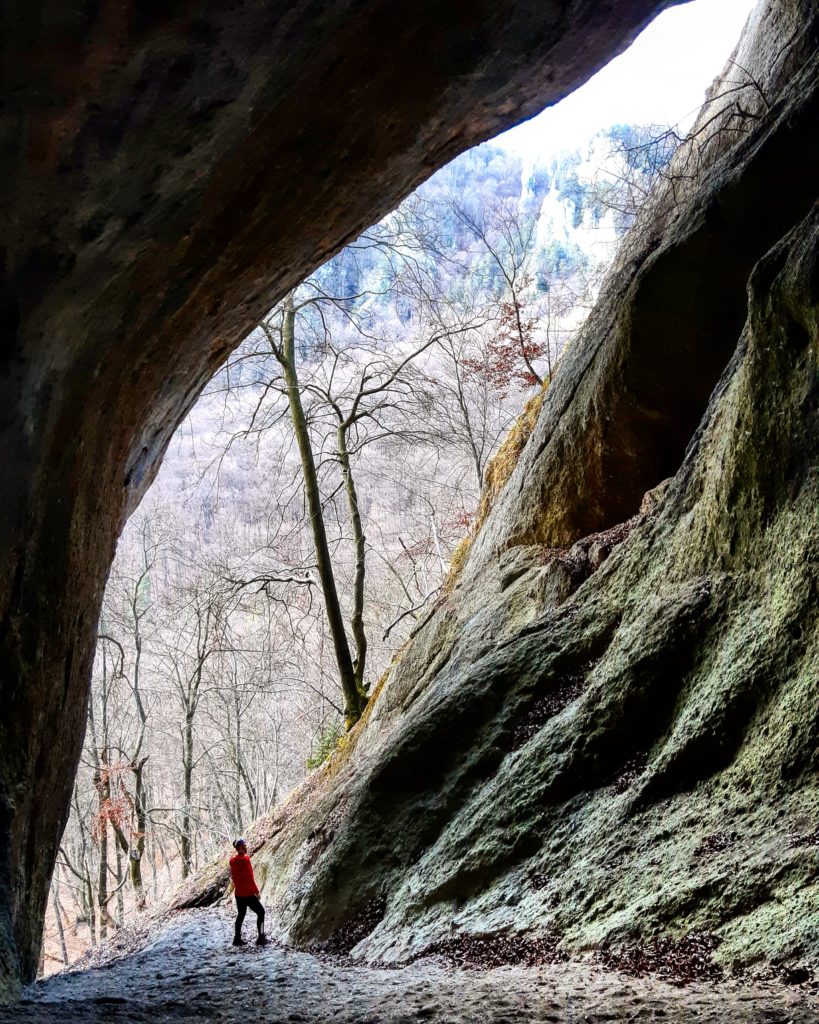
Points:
[(241, 871)]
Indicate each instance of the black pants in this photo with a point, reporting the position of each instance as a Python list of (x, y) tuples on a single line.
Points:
[(242, 904)]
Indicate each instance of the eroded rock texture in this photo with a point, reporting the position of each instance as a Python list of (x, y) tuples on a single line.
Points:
[(170, 169), (619, 739)]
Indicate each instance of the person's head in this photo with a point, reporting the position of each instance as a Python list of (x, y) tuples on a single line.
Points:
[(240, 845)]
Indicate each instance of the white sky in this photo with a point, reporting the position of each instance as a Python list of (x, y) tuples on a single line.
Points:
[(660, 79)]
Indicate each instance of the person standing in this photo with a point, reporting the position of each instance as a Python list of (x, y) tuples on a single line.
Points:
[(247, 894)]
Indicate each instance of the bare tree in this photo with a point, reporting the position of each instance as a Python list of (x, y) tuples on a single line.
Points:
[(364, 398), (508, 235), (184, 654)]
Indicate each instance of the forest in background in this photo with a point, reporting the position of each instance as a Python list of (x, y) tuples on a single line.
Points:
[(412, 353)]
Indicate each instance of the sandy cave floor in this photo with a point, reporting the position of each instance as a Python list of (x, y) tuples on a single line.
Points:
[(190, 972)]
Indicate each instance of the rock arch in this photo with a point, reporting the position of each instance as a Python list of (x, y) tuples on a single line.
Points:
[(170, 170)]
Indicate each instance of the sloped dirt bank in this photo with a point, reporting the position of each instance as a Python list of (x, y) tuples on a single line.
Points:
[(188, 973)]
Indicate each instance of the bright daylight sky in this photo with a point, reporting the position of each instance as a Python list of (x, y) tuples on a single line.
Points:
[(660, 79)]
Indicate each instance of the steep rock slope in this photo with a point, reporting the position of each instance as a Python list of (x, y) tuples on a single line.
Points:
[(618, 739)]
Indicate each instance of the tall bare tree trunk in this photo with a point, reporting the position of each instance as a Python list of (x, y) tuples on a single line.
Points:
[(58, 915), (354, 700), (102, 784), (120, 881), (357, 619), (187, 775), (138, 840), (102, 876), (91, 913)]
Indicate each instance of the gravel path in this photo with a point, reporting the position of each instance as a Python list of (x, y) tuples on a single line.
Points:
[(190, 973)]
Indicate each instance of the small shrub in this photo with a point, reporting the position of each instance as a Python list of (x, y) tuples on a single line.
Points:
[(325, 743), (457, 562)]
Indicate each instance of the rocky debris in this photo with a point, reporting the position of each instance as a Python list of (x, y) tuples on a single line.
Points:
[(805, 839), (716, 842), (686, 959), (546, 707), (630, 773), (348, 935), (565, 569), (653, 499), (596, 548), (796, 975)]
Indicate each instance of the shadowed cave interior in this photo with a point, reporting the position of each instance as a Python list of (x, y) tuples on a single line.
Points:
[(678, 669)]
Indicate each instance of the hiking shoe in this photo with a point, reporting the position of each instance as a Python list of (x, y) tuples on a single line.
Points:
[(262, 940), (239, 941)]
